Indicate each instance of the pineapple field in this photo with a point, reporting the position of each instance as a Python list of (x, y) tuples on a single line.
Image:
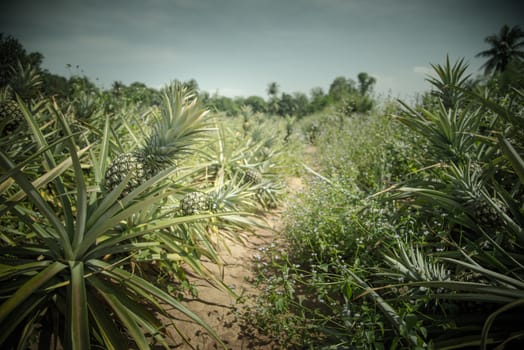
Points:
[(153, 219)]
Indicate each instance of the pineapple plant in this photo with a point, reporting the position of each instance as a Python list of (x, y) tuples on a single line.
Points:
[(195, 203), (85, 292), (177, 129), (84, 105), (24, 83)]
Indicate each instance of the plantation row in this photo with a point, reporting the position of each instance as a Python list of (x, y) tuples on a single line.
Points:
[(103, 217), (411, 234)]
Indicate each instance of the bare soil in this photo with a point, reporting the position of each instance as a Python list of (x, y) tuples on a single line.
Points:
[(220, 309)]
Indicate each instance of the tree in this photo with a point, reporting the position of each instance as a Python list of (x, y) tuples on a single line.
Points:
[(505, 48), (272, 89), (257, 104), (204, 96), (340, 88), (83, 83), (273, 104), (117, 88), (318, 99), (365, 83), (286, 105), (54, 85), (139, 93), (301, 104), (223, 104)]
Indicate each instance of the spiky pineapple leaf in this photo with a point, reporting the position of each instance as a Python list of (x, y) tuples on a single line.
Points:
[(77, 331), (514, 157), (151, 293), (29, 288)]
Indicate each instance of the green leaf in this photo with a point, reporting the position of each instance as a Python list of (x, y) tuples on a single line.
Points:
[(40, 203), (10, 271), (140, 230), (516, 161), (110, 334), (518, 284), (48, 176), (124, 314), (150, 292), (29, 309), (491, 319), (395, 320), (29, 288), (78, 327)]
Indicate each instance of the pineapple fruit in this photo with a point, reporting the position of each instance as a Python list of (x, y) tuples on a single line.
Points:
[(486, 213), (195, 203), (252, 177), (11, 117), (176, 131), (24, 83), (135, 164)]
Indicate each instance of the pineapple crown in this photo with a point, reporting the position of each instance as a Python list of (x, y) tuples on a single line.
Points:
[(180, 124), (26, 80)]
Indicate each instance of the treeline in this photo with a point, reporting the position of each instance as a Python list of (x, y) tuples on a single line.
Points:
[(22, 72)]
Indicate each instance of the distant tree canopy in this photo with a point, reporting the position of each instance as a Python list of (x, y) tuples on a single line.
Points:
[(503, 69), (365, 83), (341, 87), (81, 90), (257, 104), (506, 47), (272, 89)]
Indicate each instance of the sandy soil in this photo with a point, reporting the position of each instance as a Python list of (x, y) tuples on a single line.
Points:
[(220, 309)]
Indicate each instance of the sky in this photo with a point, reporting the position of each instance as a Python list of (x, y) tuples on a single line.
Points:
[(238, 47)]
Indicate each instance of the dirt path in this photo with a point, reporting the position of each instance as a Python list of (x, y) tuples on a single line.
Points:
[(220, 309)]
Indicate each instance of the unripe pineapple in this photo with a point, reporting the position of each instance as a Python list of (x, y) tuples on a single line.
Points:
[(486, 213), (175, 133), (252, 176), (24, 82), (11, 117), (128, 163), (195, 203)]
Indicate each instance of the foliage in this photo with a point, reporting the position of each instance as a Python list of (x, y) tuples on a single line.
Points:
[(82, 267), (69, 260), (371, 152), (257, 104), (447, 80), (12, 54), (410, 235), (481, 207), (341, 87), (365, 83), (506, 47), (310, 297)]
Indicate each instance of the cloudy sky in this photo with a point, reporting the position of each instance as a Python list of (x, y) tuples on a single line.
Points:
[(237, 47)]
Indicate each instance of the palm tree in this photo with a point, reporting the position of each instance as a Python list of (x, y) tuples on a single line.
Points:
[(117, 87), (505, 48), (272, 89)]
